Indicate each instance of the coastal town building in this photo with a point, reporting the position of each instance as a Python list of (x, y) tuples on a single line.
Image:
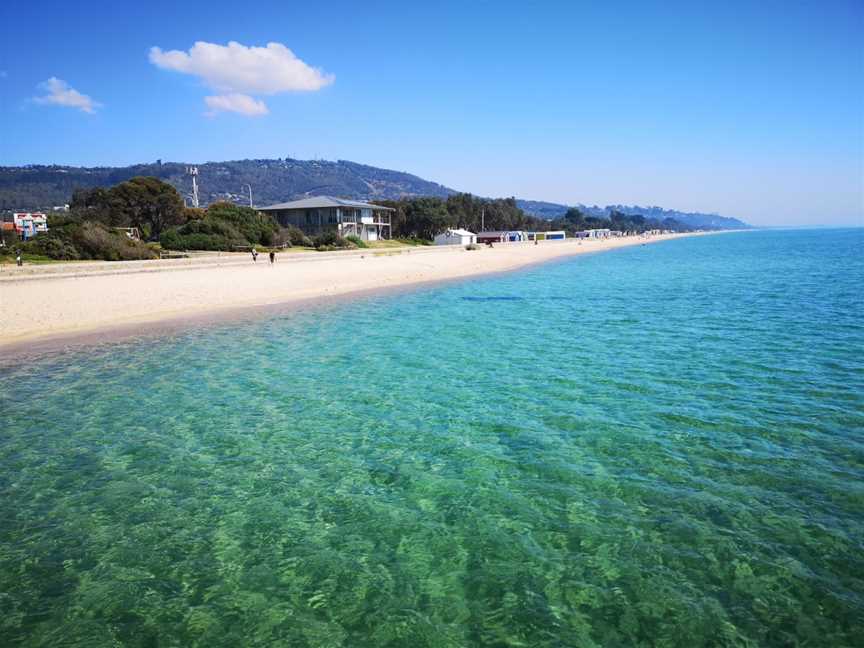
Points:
[(556, 235), (456, 237), (594, 234), (347, 217), (29, 224), (502, 237)]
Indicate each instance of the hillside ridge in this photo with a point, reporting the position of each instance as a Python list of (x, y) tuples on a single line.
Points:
[(278, 180)]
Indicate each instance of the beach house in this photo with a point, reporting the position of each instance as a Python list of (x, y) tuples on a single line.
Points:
[(456, 237), (29, 224), (347, 217)]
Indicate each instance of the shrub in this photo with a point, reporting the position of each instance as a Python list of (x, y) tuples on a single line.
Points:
[(222, 226), (205, 234), (357, 241), (472, 246), (256, 228), (95, 241), (281, 239), (329, 240), (57, 248), (296, 237), (73, 240)]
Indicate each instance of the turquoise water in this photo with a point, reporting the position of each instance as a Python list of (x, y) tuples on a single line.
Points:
[(661, 445)]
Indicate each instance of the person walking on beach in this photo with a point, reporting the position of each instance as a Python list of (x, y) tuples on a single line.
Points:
[(272, 257), (254, 254)]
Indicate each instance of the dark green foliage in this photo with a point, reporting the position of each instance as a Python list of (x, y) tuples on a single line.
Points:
[(329, 240), (576, 220), (89, 231), (357, 241), (278, 180), (224, 226), (143, 202), (9, 237), (255, 227), (95, 241), (70, 239), (692, 220), (273, 181), (423, 218), (296, 237), (206, 234)]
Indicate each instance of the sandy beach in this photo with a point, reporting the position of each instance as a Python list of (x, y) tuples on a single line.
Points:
[(69, 300)]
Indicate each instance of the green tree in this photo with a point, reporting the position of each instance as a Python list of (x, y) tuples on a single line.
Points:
[(426, 217), (255, 227), (146, 203)]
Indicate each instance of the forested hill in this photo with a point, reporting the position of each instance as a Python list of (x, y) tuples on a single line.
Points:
[(280, 180), (272, 181)]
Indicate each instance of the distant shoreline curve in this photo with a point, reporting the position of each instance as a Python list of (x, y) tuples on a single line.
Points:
[(51, 311)]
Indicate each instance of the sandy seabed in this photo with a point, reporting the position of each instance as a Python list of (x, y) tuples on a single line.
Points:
[(52, 302)]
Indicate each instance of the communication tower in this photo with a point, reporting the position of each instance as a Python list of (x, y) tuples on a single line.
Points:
[(193, 171)]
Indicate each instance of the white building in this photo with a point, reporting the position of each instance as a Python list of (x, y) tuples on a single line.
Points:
[(346, 217), (456, 237), (594, 234)]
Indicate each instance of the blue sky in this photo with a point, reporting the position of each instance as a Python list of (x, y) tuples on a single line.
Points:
[(748, 109)]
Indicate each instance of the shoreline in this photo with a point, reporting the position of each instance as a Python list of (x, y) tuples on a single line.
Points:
[(36, 310)]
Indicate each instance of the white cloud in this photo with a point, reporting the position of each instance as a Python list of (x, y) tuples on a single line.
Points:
[(59, 93), (236, 70), (239, 103)]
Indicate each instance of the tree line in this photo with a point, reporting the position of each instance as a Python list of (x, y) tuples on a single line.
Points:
[(423, 218), (91, 228)]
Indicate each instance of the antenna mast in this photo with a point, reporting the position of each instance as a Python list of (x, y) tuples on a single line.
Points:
[(193, 171)]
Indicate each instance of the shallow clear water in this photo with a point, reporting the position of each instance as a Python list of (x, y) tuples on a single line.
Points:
[(661, 445)]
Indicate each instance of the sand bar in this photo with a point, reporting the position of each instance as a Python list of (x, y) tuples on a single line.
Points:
[(67, 300)]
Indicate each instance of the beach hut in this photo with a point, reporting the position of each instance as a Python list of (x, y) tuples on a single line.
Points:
[(594, 234), (491, 237), (502, 237), (456, 237)]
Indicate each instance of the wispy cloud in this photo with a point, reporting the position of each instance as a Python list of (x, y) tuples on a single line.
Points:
[(59, 93), (238, 71), (239, 103)]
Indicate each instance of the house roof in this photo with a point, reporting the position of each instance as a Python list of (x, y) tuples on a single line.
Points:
[(318, 202), (458, 232), (502, 233)]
